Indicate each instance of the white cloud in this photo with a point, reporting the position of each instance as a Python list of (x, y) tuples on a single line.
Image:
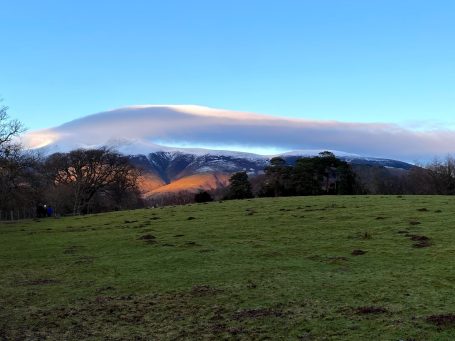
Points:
[(145, 126)]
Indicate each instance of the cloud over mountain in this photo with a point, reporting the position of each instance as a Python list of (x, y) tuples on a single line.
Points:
[(142, 128)]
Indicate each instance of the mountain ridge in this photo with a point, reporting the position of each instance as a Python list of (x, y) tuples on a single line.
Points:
[(155, 138), (212, 170)]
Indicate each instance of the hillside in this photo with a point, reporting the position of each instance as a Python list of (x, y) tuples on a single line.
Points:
[(203, 181), (191, 171), (308, 268)]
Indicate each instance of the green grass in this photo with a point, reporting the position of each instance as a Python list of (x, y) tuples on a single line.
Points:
[(254, 269)]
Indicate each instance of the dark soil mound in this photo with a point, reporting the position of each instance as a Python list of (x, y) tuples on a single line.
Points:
[(442, 320)]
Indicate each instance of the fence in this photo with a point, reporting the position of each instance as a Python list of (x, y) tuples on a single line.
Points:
[(17, 214)]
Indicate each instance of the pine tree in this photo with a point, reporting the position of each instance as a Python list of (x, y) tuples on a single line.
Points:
[(240, 187)]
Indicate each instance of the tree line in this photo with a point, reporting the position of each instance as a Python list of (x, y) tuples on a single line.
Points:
[(96, 180), (77, 182), (320, 175), (326, 175)]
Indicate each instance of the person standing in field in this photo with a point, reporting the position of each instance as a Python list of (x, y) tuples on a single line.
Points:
[(41, 211)]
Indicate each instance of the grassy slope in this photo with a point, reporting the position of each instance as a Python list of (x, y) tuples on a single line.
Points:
[(242, 269)]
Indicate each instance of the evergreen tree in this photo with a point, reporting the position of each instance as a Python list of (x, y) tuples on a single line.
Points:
[(323, 174), (304, 177), (240, 187), (278, 179)]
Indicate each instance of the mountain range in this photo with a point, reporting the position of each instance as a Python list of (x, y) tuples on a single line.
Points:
[(149, 135), (180, 170)]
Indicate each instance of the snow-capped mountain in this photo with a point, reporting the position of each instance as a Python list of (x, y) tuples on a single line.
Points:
[(149, 134), (177, 164), (185, 171)]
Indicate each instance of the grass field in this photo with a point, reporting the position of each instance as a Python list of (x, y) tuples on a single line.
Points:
[(306, 268)]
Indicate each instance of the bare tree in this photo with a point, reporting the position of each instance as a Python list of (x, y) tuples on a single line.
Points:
[(9, 129), (124, 191), (442, 175), (88, 173), (16, 167)]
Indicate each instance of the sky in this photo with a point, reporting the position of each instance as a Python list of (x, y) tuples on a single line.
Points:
[(386, 61)]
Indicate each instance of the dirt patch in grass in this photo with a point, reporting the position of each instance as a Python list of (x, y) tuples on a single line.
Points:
[(204, 290), (358, 252), (39, 282), (421, 244), (414, 222), (191, 243), (147, 237), (131, 317), (368, 310), (442, 320), (420, 241), (251, 285), (257, 313), (416, 237), (103, 289)]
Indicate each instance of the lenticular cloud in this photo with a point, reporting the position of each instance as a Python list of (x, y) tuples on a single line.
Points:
[(142, 128)]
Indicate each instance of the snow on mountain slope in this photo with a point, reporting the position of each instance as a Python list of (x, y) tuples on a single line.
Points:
[(181, 171), (171, 166), (315, 152)]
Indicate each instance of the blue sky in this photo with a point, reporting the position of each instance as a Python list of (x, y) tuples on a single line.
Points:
[(346, 60)]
